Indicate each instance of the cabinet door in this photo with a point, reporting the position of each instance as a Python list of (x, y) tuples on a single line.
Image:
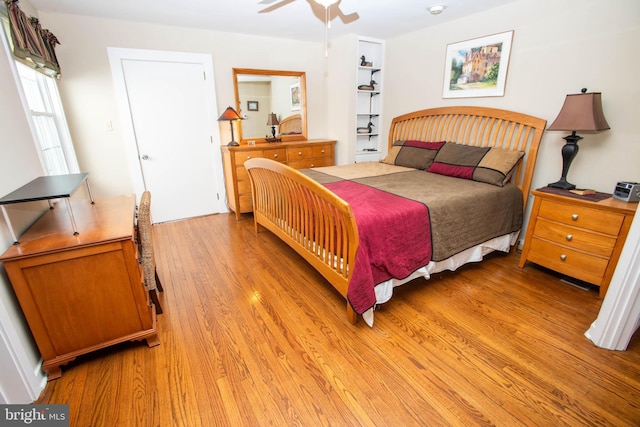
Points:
[(78, 299)]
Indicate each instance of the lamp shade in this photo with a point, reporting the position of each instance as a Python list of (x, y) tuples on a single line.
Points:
[(229, 114), (272, 120), (581, 112)]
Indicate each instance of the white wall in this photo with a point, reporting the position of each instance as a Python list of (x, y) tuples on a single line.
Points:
[(558, 48), (87, 90), (20, 377)]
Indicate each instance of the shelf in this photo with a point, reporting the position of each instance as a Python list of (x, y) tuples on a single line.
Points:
[(373, 70)]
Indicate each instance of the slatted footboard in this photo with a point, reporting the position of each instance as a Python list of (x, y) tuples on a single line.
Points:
[(315, 222)]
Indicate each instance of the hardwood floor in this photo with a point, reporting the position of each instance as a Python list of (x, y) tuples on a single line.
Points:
[(251, 335)]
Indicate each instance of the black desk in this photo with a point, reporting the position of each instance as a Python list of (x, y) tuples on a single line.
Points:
[(46, 188)]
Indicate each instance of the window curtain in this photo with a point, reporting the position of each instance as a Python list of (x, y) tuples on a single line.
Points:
[(32, 44)]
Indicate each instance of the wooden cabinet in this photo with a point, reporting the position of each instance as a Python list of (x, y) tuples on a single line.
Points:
[(577, 237), (84, 292), (297, 154)]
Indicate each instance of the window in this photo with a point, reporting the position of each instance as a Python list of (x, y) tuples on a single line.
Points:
[(52, 134)]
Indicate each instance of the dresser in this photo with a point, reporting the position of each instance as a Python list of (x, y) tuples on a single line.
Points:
[(297, 154), (81, 292), (577, 237)]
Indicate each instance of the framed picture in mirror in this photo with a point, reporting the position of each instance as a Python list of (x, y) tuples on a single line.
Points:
[(252, 105), (295, 97)]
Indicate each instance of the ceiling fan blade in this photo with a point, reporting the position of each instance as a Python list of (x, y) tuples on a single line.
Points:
[(275, 6), (266, 1), (334, 11), (347, 19)]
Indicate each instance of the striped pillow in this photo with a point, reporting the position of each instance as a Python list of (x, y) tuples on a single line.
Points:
[(413, 154), (483, 164)]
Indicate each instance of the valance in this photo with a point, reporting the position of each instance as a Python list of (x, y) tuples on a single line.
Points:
[(32, 44)]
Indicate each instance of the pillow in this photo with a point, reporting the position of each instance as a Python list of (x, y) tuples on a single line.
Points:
[(413, 154), (483, 164)]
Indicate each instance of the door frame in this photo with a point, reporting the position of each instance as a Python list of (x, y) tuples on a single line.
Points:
[(116, 57)]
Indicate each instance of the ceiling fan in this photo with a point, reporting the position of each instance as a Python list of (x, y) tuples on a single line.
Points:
[(325, 10)]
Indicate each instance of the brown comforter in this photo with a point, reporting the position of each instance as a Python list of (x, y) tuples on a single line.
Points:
[(463, 213)]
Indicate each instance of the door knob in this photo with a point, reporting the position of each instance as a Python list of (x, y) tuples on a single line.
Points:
[(145, 157)]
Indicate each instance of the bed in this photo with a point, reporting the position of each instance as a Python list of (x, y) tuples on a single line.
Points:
[(453, 187), (291, 125)]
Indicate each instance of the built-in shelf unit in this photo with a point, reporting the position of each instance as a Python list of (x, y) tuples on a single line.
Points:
[(369, 90)]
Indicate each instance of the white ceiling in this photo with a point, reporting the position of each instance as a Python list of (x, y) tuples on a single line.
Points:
[(295, 20)]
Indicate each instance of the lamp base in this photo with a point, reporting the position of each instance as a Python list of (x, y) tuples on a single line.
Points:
[(563, 183), (233, 144)]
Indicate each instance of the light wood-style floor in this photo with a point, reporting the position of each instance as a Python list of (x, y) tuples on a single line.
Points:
[(251, 335)]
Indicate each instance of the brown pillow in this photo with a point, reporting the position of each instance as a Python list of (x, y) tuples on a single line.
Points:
[(483, 164), (413, 154)]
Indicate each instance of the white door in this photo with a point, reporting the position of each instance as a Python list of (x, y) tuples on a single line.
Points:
[(177, 154)]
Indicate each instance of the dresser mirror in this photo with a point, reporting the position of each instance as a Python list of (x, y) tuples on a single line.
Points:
[(259, 93)]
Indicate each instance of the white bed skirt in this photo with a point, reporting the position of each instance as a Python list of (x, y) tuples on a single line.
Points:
[(384, 290)]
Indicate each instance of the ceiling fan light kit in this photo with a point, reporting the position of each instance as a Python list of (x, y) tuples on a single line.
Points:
[(327, 3)]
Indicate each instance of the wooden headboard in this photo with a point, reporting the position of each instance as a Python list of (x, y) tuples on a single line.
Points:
[(477, 126), (291, 125)]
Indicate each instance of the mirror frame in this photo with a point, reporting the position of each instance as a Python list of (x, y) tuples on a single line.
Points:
[(303, 98)]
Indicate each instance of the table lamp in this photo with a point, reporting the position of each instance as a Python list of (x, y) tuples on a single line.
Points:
[(581, 112), (230, 114), (272, 120)]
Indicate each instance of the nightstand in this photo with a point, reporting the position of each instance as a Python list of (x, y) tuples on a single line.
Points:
[(576, 236)]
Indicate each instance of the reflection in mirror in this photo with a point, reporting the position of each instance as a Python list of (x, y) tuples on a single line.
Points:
[(262, 92)]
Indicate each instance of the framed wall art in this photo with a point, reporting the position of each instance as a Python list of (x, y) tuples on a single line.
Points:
[(252, 105), (296, 103), (477, 67)]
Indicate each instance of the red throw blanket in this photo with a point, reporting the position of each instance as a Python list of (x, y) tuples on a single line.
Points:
[(395, 239)]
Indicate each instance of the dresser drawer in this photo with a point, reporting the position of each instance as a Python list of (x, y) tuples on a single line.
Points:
[(322, 151), (244, 187), (581, 216), (277, 154), (243, 156), (574, 237), (245, 203), (589, 268), (311, 163), (299, 153)]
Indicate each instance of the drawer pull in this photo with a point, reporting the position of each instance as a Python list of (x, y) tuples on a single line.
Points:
[(299, 153), (275, 156), (312, 165), (248, 157), (322, 151), (569, 237), (563, 257), (574, 217)]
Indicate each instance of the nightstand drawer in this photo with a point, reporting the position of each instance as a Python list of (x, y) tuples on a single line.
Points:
[(582, 216), (575, 238), (589, 268)]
